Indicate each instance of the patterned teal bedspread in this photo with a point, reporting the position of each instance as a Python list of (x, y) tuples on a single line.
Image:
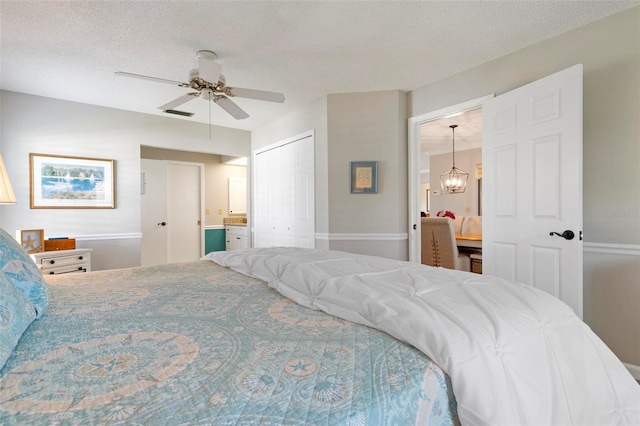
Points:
[(196, 343)]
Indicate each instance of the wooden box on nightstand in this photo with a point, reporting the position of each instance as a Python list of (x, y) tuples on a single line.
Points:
[(61, 244)]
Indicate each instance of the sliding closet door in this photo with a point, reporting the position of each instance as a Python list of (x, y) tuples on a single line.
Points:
[(304, 178), (284, 195)]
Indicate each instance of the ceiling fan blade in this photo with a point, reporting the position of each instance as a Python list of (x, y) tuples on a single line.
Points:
[(146, 77), (208, 70), (179, 101), (260, 95), (233, 109)]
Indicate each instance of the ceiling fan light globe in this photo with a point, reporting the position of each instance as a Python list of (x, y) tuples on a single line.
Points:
[(207, 54)]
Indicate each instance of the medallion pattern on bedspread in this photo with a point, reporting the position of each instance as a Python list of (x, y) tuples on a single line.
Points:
[(197, 343), (130, 363)]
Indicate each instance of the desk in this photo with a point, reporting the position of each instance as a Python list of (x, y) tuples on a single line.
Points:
[(469, 240), (472, 245)]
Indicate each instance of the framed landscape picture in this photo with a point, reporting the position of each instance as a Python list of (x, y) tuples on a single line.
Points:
[(60, 182)]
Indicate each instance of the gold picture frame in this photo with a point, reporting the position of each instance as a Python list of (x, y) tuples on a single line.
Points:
[(62, 182), (32, 240)]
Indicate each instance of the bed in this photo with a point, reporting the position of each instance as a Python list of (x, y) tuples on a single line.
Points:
[(197, 343), (289, 336)]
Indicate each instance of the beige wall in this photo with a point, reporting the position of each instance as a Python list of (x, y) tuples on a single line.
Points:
[(609, 50), (354, 127), (216, 178), (368, 127)]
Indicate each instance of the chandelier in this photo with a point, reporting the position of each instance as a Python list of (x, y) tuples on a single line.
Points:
[(454, 180)]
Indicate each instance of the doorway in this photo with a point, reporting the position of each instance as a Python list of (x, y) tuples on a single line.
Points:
[(415, 167), (532, 170), (171, 211)]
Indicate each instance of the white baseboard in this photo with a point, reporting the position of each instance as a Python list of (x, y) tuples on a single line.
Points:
[(634, 370)]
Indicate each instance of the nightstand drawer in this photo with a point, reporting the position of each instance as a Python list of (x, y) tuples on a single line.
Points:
[(53, 262), (63, 261), (67, 269)]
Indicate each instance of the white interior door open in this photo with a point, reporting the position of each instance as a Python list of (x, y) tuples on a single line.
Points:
[(532, 185)]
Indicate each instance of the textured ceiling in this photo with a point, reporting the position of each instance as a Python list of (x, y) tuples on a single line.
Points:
[(436, 137), (306, 50)]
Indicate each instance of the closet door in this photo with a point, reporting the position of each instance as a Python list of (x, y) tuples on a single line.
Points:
[(304, 178), (261, 200), (284, 195)]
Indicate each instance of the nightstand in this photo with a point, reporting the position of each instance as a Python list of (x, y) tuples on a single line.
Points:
[(63, 261)]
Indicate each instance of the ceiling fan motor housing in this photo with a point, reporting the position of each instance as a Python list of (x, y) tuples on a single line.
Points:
[(198, 83)]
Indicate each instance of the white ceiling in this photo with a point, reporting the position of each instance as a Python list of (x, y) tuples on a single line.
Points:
[(306, 50), (436, 137)]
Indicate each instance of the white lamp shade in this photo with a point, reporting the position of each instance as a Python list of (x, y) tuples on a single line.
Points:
[(7, 195)]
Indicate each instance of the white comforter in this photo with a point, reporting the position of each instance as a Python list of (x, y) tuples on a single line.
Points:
[(515, 355)]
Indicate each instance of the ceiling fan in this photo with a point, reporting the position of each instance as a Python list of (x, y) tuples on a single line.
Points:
[(209, 84)]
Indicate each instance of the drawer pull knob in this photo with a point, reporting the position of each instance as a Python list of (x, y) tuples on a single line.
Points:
[(52, 262), (51, 273), (80, 257)]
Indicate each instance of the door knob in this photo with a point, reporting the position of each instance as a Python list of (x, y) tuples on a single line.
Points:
[(567, 235), (162, 223)]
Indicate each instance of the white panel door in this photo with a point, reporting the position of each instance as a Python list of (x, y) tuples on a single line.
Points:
[(184, 229), (286, 203), (170, 212), (304, 218), (153, 209), (532, 175), (284, 195), (260, 171)]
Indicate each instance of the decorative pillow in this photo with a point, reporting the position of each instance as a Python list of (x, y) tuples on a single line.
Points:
[(16, 313), (23, 272)]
